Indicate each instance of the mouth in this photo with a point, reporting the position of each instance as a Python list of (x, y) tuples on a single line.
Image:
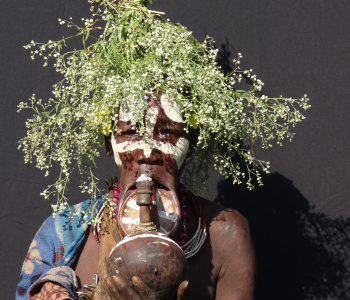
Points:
[(157, 185), (160, 186), (131, 188)]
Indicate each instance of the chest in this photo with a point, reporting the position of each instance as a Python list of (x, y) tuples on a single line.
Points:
[(203, 273), (202, 269)]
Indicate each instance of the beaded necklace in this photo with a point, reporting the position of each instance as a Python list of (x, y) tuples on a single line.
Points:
[(190, 246)]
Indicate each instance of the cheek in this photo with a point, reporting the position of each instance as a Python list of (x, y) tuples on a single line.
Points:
[(179, 151)]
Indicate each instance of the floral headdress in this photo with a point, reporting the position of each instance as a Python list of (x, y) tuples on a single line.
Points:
[(129, 51)]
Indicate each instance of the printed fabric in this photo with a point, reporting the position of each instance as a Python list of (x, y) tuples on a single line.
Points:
[(51, 291), (55, 248)]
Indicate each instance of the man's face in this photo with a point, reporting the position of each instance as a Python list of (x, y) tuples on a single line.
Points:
[(160, 154)]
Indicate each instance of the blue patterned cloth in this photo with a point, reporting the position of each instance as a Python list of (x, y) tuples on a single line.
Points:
[(55, 249)]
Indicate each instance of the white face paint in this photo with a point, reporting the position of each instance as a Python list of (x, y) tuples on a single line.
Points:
[(171, 109), (148, 143), (179, 150), (143, 177), (125, 111)]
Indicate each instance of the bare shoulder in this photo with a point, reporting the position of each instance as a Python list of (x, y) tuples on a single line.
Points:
[(225, 222), (233, 258)]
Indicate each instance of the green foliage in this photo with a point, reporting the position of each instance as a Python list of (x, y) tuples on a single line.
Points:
[(138, 53)]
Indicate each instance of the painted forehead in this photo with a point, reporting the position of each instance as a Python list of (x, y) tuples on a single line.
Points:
[(171, 109)]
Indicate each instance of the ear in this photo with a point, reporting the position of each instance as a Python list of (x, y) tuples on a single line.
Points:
[(108, 144)]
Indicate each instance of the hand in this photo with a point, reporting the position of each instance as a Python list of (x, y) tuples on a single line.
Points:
[(183, 290), (119, 289)]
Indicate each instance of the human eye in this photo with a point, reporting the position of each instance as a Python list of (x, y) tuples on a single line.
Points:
[(130, 133), (168, 133)]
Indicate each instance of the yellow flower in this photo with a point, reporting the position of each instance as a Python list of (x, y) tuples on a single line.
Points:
[(193, 121), (105, 125), (105, 128)]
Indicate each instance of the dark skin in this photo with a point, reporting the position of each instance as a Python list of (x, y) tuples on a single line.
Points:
[(224, 268)]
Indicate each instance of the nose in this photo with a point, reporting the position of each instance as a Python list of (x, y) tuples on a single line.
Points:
[(149, 157)]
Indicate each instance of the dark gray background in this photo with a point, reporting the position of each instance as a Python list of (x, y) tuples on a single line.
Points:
[(300, 218)]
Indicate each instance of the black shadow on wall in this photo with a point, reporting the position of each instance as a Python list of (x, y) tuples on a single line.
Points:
[(301, 254)]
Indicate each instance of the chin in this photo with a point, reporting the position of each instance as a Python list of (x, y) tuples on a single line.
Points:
[(166, 195)]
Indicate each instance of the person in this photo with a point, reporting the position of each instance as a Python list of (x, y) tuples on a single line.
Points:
[(158, 96), (223, 268)]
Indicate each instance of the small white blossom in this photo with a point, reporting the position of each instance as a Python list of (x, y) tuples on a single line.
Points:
[(67, 129)]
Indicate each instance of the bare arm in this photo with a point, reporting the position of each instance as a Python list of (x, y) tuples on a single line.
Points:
[(234, 253)]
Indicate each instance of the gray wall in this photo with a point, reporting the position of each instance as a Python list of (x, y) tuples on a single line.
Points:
[(300, 218)]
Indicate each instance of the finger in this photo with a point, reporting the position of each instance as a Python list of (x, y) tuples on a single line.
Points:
[(183, 290), (111, 290), (119, 288), (124, 288), (143, 289)]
